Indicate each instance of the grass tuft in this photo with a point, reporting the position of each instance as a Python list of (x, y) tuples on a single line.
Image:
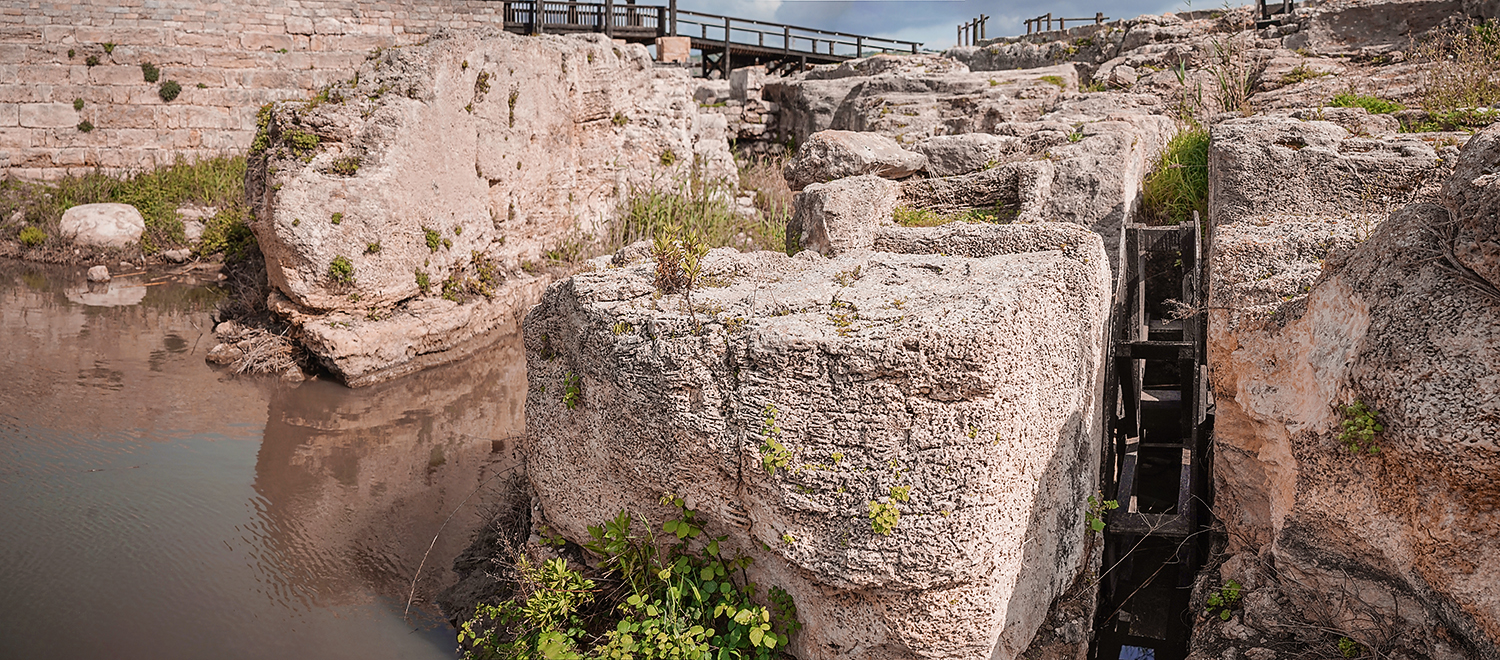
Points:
[(1178, 184), (1376, 106)]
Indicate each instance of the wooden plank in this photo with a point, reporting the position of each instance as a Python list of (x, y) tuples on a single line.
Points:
[(1159, 350)]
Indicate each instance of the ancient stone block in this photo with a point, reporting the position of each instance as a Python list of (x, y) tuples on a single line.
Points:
[(960, 392), (840, 216), (110, 225), (830, 155), (47, 115)]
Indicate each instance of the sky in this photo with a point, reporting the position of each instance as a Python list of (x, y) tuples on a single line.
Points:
[(932, 22)]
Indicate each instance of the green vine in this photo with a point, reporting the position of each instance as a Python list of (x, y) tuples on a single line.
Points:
[(1359, 429)]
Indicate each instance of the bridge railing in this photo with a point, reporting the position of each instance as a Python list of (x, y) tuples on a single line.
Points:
[(789, 39), (607, 17)]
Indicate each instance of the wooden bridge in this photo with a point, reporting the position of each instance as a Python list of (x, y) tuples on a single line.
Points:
[(725, 42)]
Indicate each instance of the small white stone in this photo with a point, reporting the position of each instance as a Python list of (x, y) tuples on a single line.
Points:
[(99, 274)]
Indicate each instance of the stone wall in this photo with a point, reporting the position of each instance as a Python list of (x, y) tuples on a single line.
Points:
[(230, 59)]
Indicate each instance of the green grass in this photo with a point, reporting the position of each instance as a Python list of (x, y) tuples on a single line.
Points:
[(1178, 184), (1376, 106), (1301, 73), (217, 182), (704, 207), (910, 217), (1054, 80)]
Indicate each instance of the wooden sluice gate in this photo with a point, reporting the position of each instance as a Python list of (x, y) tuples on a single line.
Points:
[(1156, 466)]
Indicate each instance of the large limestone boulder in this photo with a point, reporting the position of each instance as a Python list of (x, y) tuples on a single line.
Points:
[(949, 155), (1320, 297), (973, 381), (408, 211), (840, 216), (830, 155), (1473, 195), (104, 225)]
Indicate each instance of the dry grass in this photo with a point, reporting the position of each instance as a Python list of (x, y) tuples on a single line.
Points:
[(706, 207), (1461, 75)]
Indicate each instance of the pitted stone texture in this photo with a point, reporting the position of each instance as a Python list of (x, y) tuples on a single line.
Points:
[(1473, 197), (1273, 165), (106, 225), (1358, 121), (950, 155), (974, 381), (840, 216), (1312, 309), (475, 148), (830, 155)]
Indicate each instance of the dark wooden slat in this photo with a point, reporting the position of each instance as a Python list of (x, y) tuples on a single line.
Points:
[(1158, 350)]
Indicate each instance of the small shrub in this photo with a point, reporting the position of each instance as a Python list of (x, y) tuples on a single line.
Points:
[(1376, 106), (668, 158), (109, 48), (1054, 80), (1223, 602), (1350, 648), (458, 230), (85, 126), (346, 166), (884, 517), (336, 218), (1178, 184), (71, 53), (620, 119), (572, 393), (1098, 509), (302, 143), (32, 237), (202, 86), (373, 248), (169, 90), (1459, 68), (341, 271), (92, 60), (77, 104), (424, 281), (434, 239), (150, 72), (1359, 428)]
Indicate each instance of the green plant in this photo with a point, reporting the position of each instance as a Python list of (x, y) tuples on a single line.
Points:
[(1054, 80), (901, 493), (1359, 427), (482, 83), (341, 271), (424, 281), (1178, 183), (92, 60), (773, 454), (453, 288), (1234, 76), (1350, 648), (336, 218), (149, 72), (71, 53), (302, 143), (85, 126), (1376, 106), (621, 328), (1096, 86), (373, 248), (1098, 509), (620, 119), (169, 90), (884, 517), (1300, 73), (109, 48), (572, 393), (668, 158), (1223, 602), (458, 230), (1076, 136), (202, 86), (510, 102), (31, 236), (77, 104), (1459, 66), (346, 166), (434, 239), (678, 597)]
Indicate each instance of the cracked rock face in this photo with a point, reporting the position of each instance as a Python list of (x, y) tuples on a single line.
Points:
[(957, 384), (448, 170), (1319, 300)]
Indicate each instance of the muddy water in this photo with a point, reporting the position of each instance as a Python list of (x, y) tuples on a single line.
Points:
[(152, 507)]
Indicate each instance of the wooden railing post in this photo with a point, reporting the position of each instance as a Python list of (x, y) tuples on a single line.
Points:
[(1099, 18), (786, 40), (672, 27), (535, 25), (1049, 21), (726, 47), (609, 18), (859, 46), (983, 21)]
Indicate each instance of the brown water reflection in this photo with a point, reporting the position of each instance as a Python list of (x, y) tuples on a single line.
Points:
[(151, 507)]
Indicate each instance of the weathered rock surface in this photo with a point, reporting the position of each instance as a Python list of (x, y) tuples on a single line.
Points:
[(104, 225), (830, 155), (972, 380), (450, 169), (99, 274), (950, 155), (840, 216), (1315, 306)]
